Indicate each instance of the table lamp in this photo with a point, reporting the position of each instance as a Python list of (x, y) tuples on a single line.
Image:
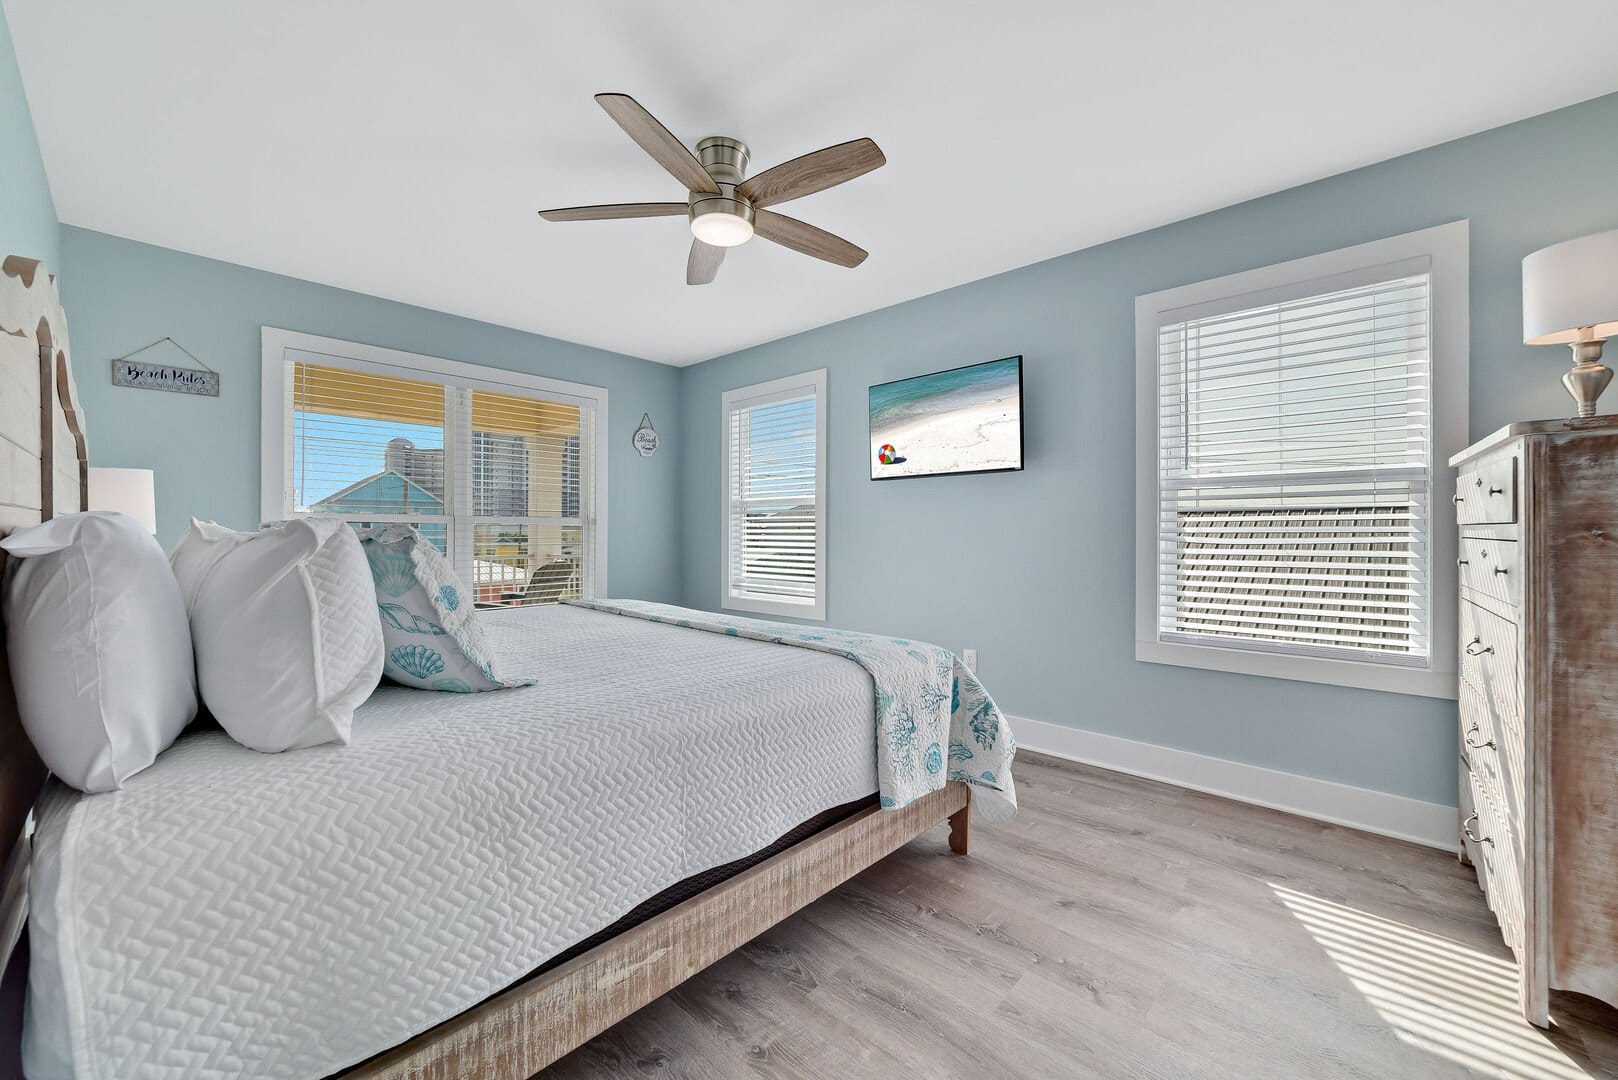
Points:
[(128, 491), (1570, 297)]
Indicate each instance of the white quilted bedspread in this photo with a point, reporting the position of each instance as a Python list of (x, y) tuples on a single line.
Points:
[(231, 913)]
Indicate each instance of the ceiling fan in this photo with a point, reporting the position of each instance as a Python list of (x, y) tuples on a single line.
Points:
[(725, 207)]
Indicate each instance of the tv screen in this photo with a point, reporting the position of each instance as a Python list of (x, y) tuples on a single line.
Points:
[(965, 420)]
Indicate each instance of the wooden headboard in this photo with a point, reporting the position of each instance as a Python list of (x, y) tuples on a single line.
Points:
[(44, 471)]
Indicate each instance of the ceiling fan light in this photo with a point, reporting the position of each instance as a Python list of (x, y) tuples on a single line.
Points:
[(722, 229)]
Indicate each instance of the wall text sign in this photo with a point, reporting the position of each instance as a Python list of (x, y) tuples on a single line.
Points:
[(166, 377)]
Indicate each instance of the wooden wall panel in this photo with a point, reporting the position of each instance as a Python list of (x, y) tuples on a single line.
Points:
[(43, 463)]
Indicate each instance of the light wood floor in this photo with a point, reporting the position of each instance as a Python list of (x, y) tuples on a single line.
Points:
[(1121, 928)]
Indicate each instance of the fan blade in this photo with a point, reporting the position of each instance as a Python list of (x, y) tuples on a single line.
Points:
[(805, 238), (703, 263), (614, 210), (656, 140), (812, 172)]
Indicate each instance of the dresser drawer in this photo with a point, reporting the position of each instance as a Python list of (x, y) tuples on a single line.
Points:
[(1492, 663), (1493, 752), (1468, 794), (1490, 567), (1491, 845), (1486, 492)]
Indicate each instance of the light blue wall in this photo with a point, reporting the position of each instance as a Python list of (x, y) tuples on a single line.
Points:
[(27, 215), (120, 295), (1036, 569)]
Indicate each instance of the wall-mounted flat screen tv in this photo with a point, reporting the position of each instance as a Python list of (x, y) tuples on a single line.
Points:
[(965, 420)]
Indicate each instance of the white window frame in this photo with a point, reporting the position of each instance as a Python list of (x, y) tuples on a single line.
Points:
[(1446, 249), (278, 348), (763, 394)]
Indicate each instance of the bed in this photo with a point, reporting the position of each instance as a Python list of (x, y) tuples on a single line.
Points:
[(477, 885)]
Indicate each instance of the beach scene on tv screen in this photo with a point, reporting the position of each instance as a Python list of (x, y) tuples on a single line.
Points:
[(968, 419)]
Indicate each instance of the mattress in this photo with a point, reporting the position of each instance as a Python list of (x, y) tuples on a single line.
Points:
[(232, 913)]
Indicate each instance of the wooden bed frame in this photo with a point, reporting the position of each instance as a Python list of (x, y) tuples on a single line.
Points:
[(516, 1033)]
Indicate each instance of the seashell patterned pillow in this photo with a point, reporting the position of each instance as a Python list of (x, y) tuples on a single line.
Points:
[(429, 623)]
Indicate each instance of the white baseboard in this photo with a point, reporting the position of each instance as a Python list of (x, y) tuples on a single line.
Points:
[(1432, 824)]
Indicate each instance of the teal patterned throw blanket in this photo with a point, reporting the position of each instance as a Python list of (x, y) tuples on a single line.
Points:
[(934, 720)]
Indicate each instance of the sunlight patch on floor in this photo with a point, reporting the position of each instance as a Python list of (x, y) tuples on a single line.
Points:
[(1436, 994)]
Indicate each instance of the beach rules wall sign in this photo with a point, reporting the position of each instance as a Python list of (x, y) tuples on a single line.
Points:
[(202, 380)]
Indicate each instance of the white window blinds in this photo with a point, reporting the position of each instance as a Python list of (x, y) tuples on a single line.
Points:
[(775, 484), (1294, 467), (498, 480)]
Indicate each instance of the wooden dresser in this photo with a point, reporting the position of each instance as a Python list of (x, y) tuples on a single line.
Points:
[(1537, 506)]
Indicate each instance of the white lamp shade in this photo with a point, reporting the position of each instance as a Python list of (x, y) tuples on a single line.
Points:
[(1570, 291), (128, 491)]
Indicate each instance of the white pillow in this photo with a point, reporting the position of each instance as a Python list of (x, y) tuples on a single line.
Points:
[(99, 648), (284, 620)]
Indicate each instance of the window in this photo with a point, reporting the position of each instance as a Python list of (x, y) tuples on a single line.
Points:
[(1294, 424), (498, 469), (775, 497)]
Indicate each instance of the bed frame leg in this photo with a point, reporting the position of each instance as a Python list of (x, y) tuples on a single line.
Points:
[(960, 829)]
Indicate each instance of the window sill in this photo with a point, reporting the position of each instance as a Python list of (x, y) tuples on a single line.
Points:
[(815, 612), (1419, 682)]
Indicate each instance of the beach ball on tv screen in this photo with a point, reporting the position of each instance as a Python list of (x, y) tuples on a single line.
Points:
[(888, 454)]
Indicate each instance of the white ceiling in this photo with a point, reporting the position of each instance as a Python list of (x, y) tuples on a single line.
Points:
[(402, 149)]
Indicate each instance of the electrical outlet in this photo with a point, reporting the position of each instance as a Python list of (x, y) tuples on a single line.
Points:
[(969, 657)]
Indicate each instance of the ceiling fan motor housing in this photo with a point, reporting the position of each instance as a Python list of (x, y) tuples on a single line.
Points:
[(725, 159)]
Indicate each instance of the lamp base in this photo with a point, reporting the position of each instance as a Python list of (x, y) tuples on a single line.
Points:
[(1589, 376)]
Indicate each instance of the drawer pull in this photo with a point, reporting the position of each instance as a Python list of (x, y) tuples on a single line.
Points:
[(1463, 562), (1471, 651), (1466, 827), (1501, 570), (1467, 738), (1456, 499), (1497, 491)]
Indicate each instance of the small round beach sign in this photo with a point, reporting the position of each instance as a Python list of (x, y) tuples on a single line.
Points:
[(645, 437)]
